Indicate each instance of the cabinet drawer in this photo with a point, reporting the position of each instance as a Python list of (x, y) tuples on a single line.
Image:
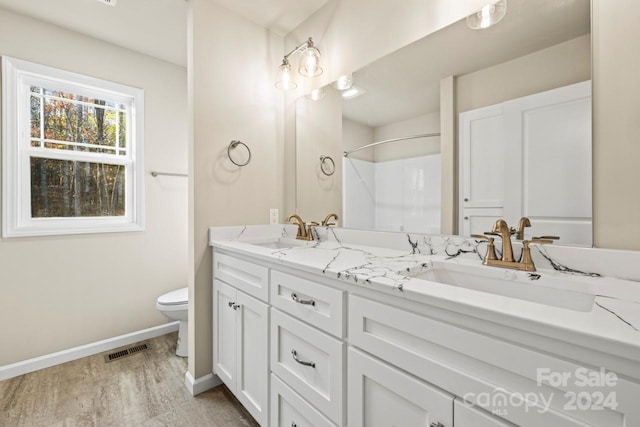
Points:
[(244, 275), (309, 361), (289, 409), (312, 302)]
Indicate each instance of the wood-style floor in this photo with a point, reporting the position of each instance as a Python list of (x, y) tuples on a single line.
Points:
[(144, 389)]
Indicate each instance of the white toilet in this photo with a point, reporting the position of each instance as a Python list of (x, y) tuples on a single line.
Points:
[(175, 305)]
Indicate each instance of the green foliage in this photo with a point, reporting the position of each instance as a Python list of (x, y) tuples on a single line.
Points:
[(68, 188)]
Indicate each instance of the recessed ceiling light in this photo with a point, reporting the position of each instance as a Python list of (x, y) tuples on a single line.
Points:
[(109, 2), (343, 82), (354, 92)]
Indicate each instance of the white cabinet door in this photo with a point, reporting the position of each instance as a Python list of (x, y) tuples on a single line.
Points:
[(253, 350), (468, 416), (380, 395), (225, 322), (241, 347)]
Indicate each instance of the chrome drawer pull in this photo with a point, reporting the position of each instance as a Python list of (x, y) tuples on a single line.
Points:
[(303, 301), (302, 362)]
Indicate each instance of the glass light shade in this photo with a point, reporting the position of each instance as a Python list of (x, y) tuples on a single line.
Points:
[(317, 94), (344, 82), (310, 62), (284, 80), (487, 16)]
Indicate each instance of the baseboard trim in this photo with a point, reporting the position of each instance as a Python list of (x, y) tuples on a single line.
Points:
[(202, 384), (52, 359)]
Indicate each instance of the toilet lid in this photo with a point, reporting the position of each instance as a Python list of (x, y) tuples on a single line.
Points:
[(179, 296)]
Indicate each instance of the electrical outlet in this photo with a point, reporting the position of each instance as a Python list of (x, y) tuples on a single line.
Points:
[(273, 216)]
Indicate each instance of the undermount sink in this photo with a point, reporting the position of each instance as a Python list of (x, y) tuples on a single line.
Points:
[(281, 243), (569, 293)]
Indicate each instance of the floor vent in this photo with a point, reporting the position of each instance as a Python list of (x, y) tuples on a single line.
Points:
[(120, 354)]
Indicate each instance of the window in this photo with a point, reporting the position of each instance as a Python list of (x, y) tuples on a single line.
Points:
[(72, 153)]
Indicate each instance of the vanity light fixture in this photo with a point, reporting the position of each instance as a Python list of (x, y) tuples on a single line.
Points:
[(488, 16), (309, 65), (344, 82)]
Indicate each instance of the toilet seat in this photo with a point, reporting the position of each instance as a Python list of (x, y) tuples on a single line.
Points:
[(173, 298)]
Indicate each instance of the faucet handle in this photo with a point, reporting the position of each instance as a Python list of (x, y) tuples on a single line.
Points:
[(547, 238), (538, 240), (491, 248), (482, 236)]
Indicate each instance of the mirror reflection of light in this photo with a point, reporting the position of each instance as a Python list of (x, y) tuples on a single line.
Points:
[(353, 92), (350, 93), (486, 13), (317, 94)]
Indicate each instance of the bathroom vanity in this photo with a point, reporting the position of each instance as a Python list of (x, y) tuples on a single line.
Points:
[(370, 328)]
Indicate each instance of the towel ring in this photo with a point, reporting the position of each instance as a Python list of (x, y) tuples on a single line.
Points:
[(234, 144), (324, 161)]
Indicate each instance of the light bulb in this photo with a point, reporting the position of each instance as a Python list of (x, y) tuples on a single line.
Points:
[(488, 16), (284, 81), (310, 62)]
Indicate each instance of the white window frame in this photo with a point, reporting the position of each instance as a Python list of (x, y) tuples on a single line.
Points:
[(17, 77)]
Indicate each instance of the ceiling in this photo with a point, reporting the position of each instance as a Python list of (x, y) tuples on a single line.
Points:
[(406, 83), (156, 27)]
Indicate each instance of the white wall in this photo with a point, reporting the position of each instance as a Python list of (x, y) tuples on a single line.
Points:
[(556, 66), (232, 64), (359, 194), (425, 123), (353, 33), (408, 195), (65, 291), (356, 135), (616, 151), (318, 133)]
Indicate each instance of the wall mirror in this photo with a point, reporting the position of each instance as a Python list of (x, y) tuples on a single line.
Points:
[(522, 124)]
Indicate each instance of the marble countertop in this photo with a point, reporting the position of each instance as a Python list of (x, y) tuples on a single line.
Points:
[(385, 262)]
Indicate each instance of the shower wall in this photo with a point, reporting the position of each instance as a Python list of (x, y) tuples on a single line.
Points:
[(397, 195)]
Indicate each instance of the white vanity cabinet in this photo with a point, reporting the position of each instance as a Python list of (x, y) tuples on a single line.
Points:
[(323, 352), (241, 346)]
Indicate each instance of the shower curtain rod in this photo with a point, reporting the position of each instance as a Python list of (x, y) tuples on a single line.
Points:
[(424, 135)]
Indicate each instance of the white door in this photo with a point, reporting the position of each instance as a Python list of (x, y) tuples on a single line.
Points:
[(380, 395), (482, 159), (225, 325), (468, 416), (253, 367), (551, 133), (529, 156)]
